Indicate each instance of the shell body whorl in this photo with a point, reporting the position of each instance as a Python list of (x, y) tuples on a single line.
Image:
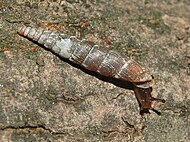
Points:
[(91, 57)]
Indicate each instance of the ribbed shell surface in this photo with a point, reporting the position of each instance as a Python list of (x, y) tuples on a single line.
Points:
[(92, 57)]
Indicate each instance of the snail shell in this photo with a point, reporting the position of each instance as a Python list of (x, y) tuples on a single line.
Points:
[(92, 57)]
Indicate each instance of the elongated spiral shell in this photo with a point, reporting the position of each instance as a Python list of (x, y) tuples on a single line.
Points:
[(92, 57)]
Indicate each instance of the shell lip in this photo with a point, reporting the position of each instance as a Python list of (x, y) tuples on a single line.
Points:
[(145, 84)]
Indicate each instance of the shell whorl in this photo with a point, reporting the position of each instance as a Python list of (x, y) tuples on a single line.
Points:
[(92, 57)]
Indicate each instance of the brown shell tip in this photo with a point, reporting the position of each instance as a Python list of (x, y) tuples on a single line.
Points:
[(21, 30)]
